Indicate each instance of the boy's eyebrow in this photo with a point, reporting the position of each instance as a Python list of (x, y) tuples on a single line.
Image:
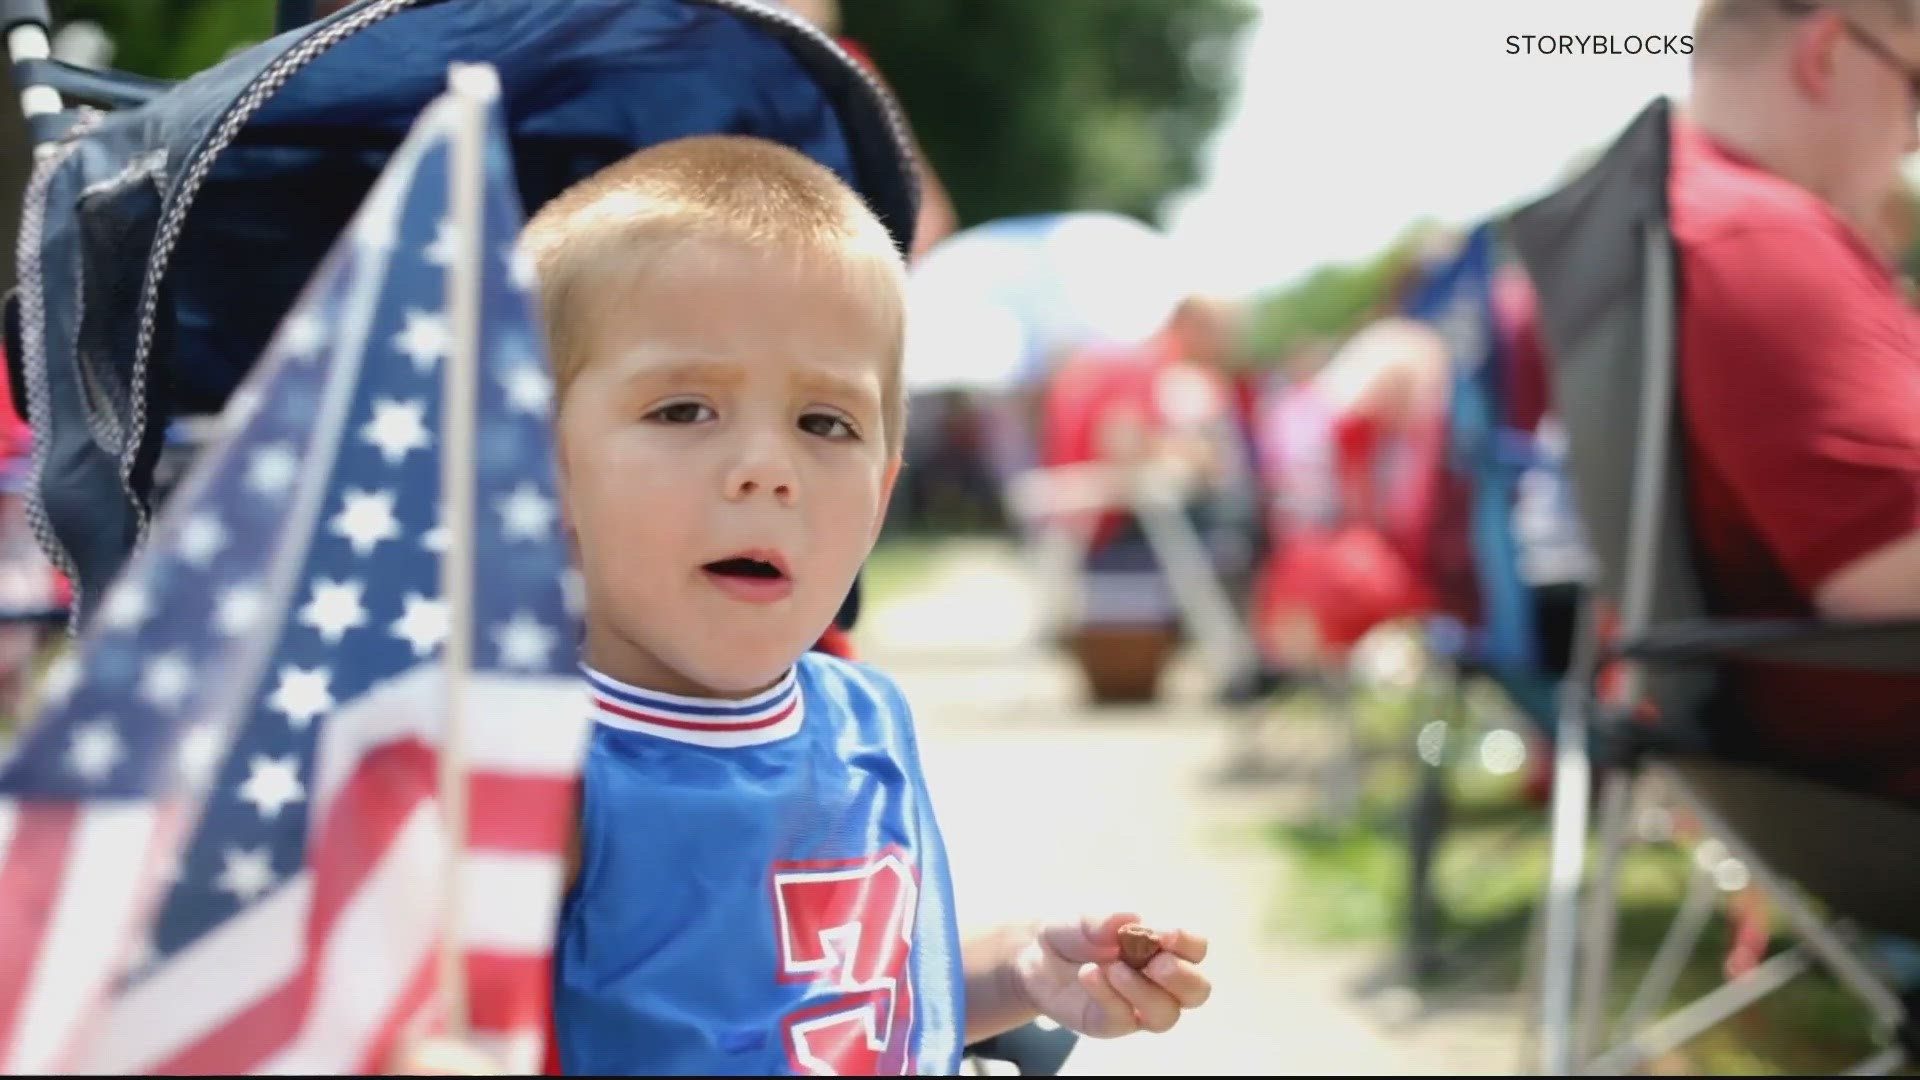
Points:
[(828, 384), (701, 372)]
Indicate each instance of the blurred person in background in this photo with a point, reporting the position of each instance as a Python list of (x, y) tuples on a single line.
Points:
[(1164, 404), (1351, 459), (1800, 360)]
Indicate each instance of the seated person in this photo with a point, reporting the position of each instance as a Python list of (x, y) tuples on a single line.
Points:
[(1800, 362), (1163, 402), (1352, 463)]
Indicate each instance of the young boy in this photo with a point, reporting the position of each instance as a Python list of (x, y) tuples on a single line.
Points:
[(760, 885)]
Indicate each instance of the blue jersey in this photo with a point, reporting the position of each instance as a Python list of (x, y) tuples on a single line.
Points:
[(762, 888)]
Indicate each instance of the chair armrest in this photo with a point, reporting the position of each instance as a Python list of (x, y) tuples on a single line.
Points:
[(1884, 647), (1032, 1049)]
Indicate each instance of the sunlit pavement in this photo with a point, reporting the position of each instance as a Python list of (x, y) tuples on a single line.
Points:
[(1049, 807)]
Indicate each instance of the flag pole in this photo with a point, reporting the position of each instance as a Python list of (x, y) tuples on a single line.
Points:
[(474, 88)]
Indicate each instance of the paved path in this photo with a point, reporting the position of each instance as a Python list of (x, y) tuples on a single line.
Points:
[(1051, 807)]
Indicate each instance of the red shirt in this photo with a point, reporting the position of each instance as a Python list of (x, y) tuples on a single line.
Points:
[(1148, 383), (1800, 390)]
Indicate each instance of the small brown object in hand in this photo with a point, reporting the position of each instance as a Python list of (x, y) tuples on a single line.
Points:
[(1138, 945)]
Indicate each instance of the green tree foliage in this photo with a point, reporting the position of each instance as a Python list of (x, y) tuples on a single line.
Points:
[(1334, 301), (1027, 106), (172, 39)]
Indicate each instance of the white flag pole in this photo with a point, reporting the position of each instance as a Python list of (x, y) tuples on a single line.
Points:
[(474, 88)]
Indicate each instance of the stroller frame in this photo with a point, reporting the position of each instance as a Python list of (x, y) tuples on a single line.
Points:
[(49, 90), (1660, 635)]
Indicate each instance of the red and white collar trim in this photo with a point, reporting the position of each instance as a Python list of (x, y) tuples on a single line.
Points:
[(768, 716)]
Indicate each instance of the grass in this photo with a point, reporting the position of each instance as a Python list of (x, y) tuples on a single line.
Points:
[(898, 566), (1349, 885)]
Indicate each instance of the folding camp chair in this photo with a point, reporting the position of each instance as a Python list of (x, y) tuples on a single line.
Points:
[(1489, 626), (1601, 256)]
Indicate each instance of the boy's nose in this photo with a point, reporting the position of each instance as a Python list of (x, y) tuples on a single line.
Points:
[(763, 469)]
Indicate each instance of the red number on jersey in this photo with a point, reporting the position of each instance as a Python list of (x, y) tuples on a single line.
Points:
[(848, 925)]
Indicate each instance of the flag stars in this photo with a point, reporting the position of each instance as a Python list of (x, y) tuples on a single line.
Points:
[(303, 334), (165, 680), (366, 519), (423, 624), (198, 755), (239, 610), (445, 244), (424, 340), (201, 538), (376, 228), (302, 695), (95, 751), (520, 268), (524, 642), (528, 389), (525, 514), (242, 405), (397, 429), (272, 784), (334, 608), (127, 607), (246, 874), (271, 470), (58, 684)]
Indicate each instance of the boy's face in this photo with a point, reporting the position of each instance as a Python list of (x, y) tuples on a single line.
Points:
[(723, 465)]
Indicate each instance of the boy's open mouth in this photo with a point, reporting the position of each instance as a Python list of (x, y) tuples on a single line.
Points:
[(753, 577), (743, 567)]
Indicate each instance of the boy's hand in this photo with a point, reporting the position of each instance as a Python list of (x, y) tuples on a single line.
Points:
[(1072, 973)]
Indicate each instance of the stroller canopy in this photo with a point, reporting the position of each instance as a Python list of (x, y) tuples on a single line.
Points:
[(162, 244)]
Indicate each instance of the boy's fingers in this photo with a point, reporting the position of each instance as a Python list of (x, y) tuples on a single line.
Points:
[(1184, 944), (1104, 930), (1115, 1015), (1187, 983), (1157, 1009)]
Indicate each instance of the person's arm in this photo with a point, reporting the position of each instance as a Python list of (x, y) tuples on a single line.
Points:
[(1882, 584), (996, 1001), (1800, 386)]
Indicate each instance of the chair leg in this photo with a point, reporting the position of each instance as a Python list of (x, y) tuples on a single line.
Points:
[(1427, 824), (1703, 1014), (1532, 969), (1343, 779), (1889, 1012), (1597, 931), (1683, 936), (1560, 937)]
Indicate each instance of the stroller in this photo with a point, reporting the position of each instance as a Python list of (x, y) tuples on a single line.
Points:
[(167, 228)]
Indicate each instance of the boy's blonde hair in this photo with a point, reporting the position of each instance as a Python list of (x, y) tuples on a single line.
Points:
[(595, 237)]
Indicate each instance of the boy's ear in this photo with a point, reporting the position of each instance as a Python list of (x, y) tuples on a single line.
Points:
[(886, 496)]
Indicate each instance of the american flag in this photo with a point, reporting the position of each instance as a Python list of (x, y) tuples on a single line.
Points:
[(221, 845)]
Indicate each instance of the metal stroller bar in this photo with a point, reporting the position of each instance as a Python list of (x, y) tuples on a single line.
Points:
[(47, 86)]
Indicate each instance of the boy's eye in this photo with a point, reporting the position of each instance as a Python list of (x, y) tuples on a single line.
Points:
[(682, 412), (827, 426)]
